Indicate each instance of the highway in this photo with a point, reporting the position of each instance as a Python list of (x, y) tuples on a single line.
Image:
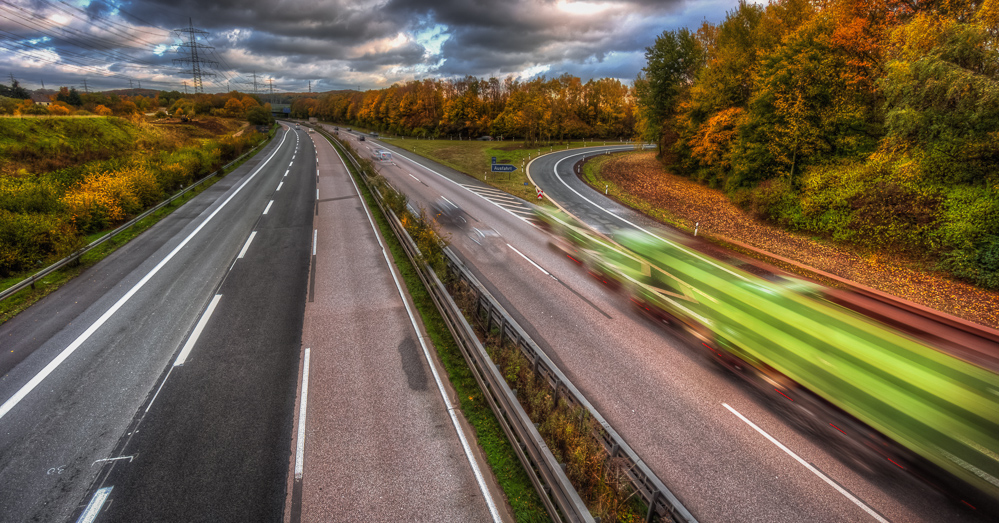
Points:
[(165, 383), (103, 394), (725, 450), (381, 439)]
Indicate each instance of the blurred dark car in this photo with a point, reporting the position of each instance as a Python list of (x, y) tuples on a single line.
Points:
[(446, 212)]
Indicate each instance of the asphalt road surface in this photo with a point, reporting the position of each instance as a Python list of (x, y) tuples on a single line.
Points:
[(381, 439), (724, 449), (106, 401)]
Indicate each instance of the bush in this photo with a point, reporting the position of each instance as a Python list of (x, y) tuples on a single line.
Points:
[(259, 115), (29, 194), (895, 216), (96, 173), (27, 239), (771, 200)]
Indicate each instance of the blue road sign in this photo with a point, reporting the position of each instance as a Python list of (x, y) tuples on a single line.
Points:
[(503, 168)]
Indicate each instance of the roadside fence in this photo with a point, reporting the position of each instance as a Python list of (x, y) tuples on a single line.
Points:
[(560, 498), (75, 256)]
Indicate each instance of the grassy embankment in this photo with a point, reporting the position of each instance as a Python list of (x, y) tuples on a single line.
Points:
[(510, 475), (65, 182), (474, 158)]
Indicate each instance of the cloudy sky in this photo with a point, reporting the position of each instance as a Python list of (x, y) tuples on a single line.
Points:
[(337, 44)]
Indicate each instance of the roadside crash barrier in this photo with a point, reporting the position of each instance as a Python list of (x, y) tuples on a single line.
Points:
[(560, 498), (75, 256)]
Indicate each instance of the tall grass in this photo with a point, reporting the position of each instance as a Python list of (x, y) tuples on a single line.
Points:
[(65, 178)]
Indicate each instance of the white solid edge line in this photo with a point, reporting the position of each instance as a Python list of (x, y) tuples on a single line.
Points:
[(808, 466), (42, 374), (315, 232), (528, 259), (493, 511), (279, 186), (186, 351), (248, 240), (268, 206), (95, 505), (555, 169), (158, 389), (300, 443)]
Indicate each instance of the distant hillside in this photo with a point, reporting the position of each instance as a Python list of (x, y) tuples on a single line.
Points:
[(62, 178)]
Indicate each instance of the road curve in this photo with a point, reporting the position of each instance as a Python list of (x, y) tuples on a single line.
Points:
[(726, 452)]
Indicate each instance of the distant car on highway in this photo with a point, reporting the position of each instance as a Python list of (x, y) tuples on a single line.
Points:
[(382, 155), (374, 135), (446, 212), (360, 139)]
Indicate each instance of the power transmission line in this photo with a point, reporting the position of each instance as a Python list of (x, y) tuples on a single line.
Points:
[(195, 60), (70, 36)]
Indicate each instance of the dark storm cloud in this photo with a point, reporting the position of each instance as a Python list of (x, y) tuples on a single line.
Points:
[(327, 19), (376, 43)]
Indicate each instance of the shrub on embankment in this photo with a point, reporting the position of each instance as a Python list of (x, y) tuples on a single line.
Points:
[(871, 123), (62, 179)]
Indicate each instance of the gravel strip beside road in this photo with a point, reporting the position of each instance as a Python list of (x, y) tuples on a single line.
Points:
[(379, 445)]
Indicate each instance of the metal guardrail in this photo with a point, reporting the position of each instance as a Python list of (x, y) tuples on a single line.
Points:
[(76, 255), (561, 499)]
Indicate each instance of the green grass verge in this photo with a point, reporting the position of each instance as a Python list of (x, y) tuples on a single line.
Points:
[(520, 493), (592, 176), (474, 158), (20, 301)]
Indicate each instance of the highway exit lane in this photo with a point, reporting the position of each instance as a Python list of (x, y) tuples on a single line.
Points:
[(664, 398)]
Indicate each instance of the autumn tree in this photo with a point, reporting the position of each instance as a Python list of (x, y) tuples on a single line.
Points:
[(233, 107), (70, 96), (942, 96), (672, 63)]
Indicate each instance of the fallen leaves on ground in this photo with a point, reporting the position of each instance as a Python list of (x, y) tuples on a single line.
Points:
[(641, 176)]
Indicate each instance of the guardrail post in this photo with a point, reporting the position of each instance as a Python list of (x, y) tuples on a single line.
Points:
[(560, 498), (652, 507)]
